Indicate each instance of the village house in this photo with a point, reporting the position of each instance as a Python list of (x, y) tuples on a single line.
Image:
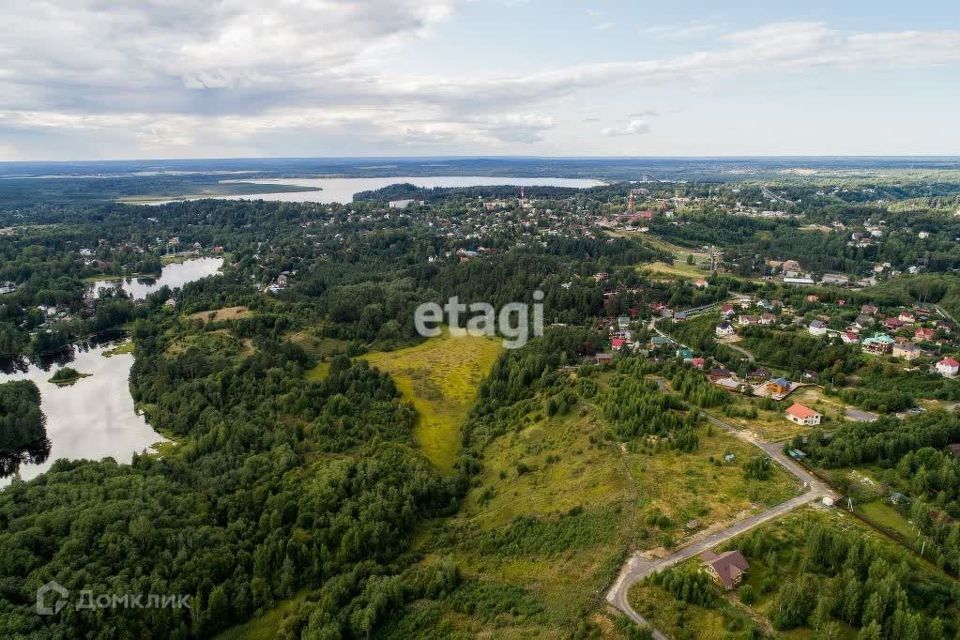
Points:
[(907, 351), (878, 343), (726, 569), (849, 337), (724, 329), (767, 319), (868, 310), (727, 310), (862, 322), (799, 414), (779, 387), (746, 320), (817, 328), (617, 343), (924, 334), (948, 367)]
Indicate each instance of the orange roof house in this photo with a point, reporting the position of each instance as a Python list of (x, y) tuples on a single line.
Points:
[(802, 415)]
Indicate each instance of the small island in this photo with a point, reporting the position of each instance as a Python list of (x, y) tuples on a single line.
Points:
[(67, 375)]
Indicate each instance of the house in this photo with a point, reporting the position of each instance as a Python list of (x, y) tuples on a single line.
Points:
[(906, 317), (862, 322), (849, 337), (893, 323), (878, 343), (908, 351), (767, 319), (698, 362), (948, 367), (701, 283), (800, 414), (813, 298), (604, 358), (924, 334), (724, 329), (778, 387), (817, 328), (727, 569), (726, 310), (617, 344), (623, 322), (658, 342), (748, 320), (685, 354), (868, 310)]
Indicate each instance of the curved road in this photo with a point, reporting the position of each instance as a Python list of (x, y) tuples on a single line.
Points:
[(639, 566)]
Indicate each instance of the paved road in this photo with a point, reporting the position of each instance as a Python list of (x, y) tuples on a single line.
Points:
[(639, 566)]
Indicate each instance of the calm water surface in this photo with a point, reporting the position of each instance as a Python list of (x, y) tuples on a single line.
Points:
[(173, 275), (343, 189), (93, 418)]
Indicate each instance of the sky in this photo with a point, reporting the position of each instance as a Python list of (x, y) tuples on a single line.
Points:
[(97, 80)]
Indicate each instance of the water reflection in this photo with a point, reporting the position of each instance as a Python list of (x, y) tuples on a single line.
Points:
[(93, 418), (34, 453), (173, 275)]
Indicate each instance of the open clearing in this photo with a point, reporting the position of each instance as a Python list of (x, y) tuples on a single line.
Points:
[(678, 269), (218, 315), (440, 377)]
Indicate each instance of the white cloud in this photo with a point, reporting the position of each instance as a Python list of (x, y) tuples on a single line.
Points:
[(173, 75), (634, 127), (679, 31)]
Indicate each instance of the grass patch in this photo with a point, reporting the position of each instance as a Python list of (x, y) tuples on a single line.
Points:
[(266, 626), (678, 269), (121, 349), (221, 315), (884, 516), (440, 377), (675, 488)]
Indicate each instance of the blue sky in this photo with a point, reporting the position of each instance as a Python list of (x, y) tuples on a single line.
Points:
[(90, 80)]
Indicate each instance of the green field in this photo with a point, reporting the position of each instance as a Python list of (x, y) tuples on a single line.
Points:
[(554, 512), (886, 517), (440, 377)]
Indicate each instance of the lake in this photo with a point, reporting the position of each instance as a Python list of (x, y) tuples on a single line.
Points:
[(343, 189), (173, 275), (94, 418)]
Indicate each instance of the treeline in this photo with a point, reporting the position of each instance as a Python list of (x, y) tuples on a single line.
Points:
[(21, 420), (827, 577), (912, 453)]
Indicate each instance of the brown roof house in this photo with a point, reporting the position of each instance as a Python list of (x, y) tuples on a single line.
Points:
[(726, 569)]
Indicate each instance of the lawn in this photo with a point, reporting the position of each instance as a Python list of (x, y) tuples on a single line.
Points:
[(440, 377)]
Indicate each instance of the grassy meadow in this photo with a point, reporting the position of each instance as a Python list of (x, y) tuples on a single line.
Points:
[(440, 377)]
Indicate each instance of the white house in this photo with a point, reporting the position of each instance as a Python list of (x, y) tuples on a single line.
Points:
[(817, 328), (800, 414), (724, 329), (948, 367)]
